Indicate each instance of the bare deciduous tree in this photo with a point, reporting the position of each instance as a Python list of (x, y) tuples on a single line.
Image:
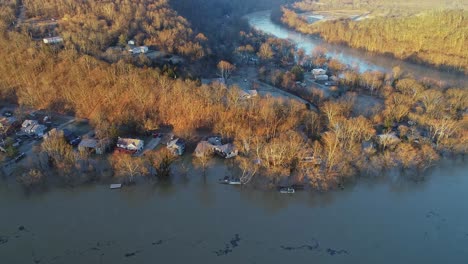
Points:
[(127, 167)]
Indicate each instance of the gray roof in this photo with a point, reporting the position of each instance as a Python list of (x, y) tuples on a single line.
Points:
[(203, 147), (88, 143)]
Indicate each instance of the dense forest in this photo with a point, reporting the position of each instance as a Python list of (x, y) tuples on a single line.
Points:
[(92, 26), (437, 38), (222, 20)]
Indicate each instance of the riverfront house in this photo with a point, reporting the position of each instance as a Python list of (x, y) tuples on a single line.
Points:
[(138, 50), (33, 128), (130, 144), (94, 145), (177, 146)]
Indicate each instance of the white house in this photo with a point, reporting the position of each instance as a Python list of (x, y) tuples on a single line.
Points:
[(130, 144), (248, 94), (28, 123), (131, 42), (53, 40), (138, 50), (37, 130), (177, 146), (32, 127), (319, 71), (321, 77), (226, 151)]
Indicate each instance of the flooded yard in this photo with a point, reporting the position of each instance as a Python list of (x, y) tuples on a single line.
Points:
[(387, 219)]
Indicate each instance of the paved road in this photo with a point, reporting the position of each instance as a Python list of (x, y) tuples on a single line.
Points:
[(250, 74)]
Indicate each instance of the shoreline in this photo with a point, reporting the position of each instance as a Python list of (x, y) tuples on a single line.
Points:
[(261, 182), (321, 18)]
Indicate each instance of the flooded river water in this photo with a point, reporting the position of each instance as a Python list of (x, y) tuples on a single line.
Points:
[(195, 219)]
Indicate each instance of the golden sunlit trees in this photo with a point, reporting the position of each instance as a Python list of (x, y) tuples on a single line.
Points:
[(161, 162), (31, 178), (127, 168), (60, 153), (411, 157), (433, 37), (225, 69), (266, 52), (92, 26)]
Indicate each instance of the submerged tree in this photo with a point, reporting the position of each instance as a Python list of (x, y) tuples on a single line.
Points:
[(127, 168), (161, 162), (31, 178)]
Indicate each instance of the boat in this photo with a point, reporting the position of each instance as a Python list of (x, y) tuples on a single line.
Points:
[(230, 181), (287, 190), (235, 181), (116, 186)]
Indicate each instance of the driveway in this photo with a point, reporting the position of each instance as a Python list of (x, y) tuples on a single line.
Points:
[(152, 144)]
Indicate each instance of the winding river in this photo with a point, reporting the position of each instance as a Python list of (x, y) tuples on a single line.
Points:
[(357, 58), (385, 219)]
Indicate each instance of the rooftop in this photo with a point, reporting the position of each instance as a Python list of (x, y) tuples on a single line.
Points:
[(129, 141)]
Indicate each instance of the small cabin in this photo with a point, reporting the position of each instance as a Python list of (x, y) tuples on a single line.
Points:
[(138, 50), (319, 71), (53, 40)]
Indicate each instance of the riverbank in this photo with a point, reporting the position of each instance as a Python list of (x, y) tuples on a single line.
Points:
[(354, 30), (359, 59)]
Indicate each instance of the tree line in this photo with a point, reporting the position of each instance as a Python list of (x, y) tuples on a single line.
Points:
[(436, 38)]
